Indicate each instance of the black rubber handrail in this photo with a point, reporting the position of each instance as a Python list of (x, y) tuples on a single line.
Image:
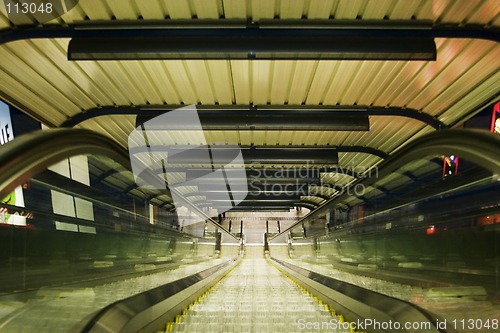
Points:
[(116, 316), (30, 154), (478, 146), (391, 307), (26, 156)]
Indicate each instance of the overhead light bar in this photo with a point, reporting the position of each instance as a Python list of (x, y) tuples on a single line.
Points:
[(258, 44), (281, 120), (265, 155), (261, 209)]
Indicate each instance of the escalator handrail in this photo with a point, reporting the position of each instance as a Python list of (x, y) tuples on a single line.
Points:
[(30, 154), (26, 156), (395, 308), (136, 310), (479, 146)]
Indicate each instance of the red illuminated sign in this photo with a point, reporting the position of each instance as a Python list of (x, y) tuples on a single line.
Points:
[(495, 119), (450, 165)]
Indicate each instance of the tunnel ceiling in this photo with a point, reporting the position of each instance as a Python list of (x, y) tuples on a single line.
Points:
[(36, 77)]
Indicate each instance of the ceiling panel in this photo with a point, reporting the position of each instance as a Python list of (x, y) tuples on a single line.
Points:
[(320, 9), (449, 11), (36, 76)]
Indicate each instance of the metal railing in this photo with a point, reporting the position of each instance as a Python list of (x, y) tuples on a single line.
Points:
[(479, 146), (31, 154)]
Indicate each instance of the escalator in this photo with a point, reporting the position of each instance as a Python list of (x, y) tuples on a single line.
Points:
[(256, 297), (123, 271)]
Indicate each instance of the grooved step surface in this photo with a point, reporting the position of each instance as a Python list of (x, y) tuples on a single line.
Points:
[(256, 297)]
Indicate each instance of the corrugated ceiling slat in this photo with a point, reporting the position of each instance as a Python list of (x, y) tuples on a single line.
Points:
[(292, 9), (159, 74), (263, 9), (404, 10), (439, 74), (179, 9), (439, 8), (12, 87), (320, 9), (284, 138), (207, 9), (409, 72), (482, 93), (48, 67), (151, 10), (261, 79), (384, 76), (323, 77), (349, 9), (79, 77), (214, 137), (338, 138), (360, 138), (74, 15), (235, 9), (246, 138), (486, 12), (221, 81), (424, 12), (114, 70), (424, 131), (240, 72), (259, 138), (367, 73), (342, 79), (181, 81), (20, 19), (376, 10), (464, 76), (458, 12), (123, 9), (280, 86), (299, 137), (197, 71), (273, 137), (4, 20), (405, 131), (109, 127), (301, 81), (143, 83), (102, 83), (496, 21), (458, 78), (336, 178), (96, 9), (43, 86), (231, 137)]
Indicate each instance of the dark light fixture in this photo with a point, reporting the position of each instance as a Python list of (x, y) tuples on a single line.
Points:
[(279, 120), (264, 155), (259, 44)]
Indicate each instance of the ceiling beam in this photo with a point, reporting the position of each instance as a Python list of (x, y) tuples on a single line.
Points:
[(262, 154), (252, 44), (200, 27), (222, 117)]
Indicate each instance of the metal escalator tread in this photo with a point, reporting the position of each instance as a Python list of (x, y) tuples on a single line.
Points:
[(256, 297)]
